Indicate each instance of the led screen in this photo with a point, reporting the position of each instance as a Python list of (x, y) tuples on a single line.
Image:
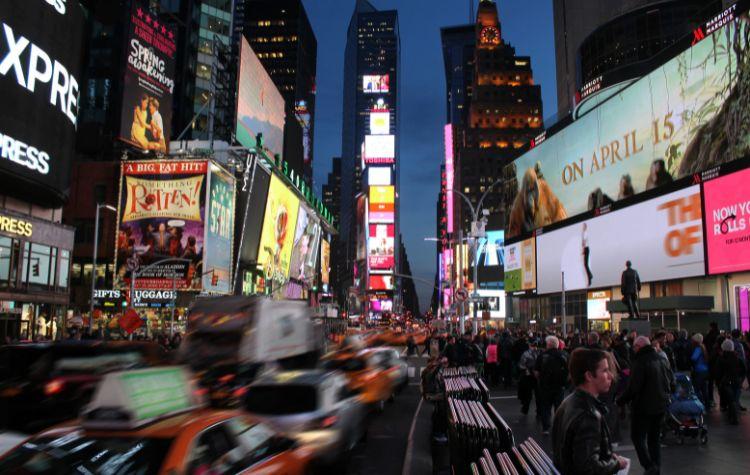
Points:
[(260, 107), (40, 74), (380, 282), (381, 207), (662, 237), (380, 149), (277, 236), (380, 123), (379, 176), (325, 261), (304, 253), (217, 252), (727, 215), (148, 82), (375, 83), (669, 124), (381, 246), (520, 265)]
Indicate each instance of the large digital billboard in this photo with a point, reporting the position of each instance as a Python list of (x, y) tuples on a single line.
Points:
[(380, 123), (306, 243), (161, 215), (380, 282), (325, 261), (669, 124), (148, 82), (381, 208), (252, 199), (217, 258), (662, 237), (40, 63), (277, 236), (489, 257), (379, 176), (260, 106), (376, 83), (520, 266), (381, 243), (727, 214), (379, 149)]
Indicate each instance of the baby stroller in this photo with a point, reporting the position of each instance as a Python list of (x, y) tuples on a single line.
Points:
[(685, 412)]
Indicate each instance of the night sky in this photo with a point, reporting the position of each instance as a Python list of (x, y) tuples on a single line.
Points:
[(527, 25)]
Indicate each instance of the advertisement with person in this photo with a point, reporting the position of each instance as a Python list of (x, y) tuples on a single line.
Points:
[(662, 237), (277, 236), (381, 243), (148, 83), (727, 214), (667, 125), (161, 215), (520, 266), (382, 200), (41, 52), (260, 106), (325, 262), (375, 83), (304, 252), (217, 260)]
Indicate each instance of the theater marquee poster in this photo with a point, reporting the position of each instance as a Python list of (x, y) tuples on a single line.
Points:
[(162, 215), (146, 114), (686, 116)]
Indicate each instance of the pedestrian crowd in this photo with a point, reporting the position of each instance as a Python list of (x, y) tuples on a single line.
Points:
[(584, 384)]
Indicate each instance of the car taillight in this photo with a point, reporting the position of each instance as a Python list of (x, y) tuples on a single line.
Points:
[(328, 421), (53, 387), (226, 378), (239, 392)]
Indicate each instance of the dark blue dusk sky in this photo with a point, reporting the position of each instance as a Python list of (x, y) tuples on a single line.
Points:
[(526, 24)]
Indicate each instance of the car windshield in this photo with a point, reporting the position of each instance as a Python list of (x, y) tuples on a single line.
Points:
[(75, 453), (206, 349), (280, 400), (348, 364)]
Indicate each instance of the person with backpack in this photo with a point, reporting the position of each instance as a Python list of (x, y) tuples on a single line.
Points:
[(682, 351), (551, 372)]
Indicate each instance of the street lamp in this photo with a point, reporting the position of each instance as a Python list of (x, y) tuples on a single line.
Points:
[(96, 249), (476, 234)]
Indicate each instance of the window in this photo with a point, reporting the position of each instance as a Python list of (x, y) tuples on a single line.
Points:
[(62, 280), (215, 452), (36, 264), (6, 250)]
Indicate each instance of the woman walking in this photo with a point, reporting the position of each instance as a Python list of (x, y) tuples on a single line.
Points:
[(699, 358)]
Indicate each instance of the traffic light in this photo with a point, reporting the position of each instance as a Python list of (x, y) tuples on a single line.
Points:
[(214, 279)]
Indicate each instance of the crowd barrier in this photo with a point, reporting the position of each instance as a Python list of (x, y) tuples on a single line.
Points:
[(527, 458)]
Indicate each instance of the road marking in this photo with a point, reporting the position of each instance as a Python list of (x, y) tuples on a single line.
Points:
[(406, 469)]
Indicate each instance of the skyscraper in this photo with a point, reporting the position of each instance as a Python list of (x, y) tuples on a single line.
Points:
[(280, 33), (370, 125)]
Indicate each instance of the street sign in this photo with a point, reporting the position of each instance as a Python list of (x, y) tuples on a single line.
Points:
[(462, 295)]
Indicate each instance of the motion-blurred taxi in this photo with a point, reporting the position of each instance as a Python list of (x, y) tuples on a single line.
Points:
[(150, 421), (368, 372)]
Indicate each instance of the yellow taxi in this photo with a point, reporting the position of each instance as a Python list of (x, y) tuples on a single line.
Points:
[(368, 372), (150, 421)]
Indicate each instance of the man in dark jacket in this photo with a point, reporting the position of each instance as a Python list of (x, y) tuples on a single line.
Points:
[(580, 436), (552, 373), (630, 285), (648, 391)]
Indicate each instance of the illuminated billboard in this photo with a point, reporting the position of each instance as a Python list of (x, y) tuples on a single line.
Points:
[(380, 282), (727, 215), (325, 262), (667, 125), (379, 149), (148, 82), (520, 266), (304, 253), (375, 83), (662, 237), (596, 305), (380, 123), (379, 176), (217, 252), (489, 257), (381, 244), (260, 106), (361, 227), (381, 208), (161, 215), (41, 54), (277, 235)]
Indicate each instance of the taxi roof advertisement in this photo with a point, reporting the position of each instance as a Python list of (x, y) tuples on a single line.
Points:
[(665, 126), (161, 215), (40, 85)]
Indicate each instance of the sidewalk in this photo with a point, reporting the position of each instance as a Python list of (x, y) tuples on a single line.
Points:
[(726, 452)]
